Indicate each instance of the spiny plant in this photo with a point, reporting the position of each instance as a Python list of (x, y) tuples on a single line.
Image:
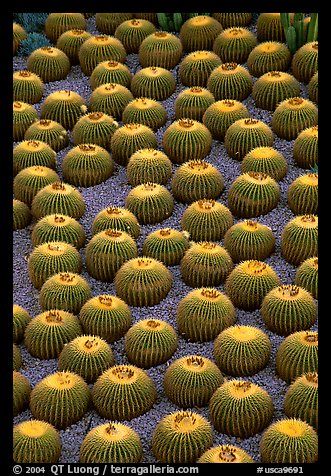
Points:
[(30, 180), (86, 355), (191, 380), (268, 56), (61, 399), (17, 357), (161, 49), (150, 342), (266, 160), (270, 28), (274, 87), (87, 165), (259, 279), (70, 42), (58, 23), (31, 43), (108, 22), (181, 437), (249, 240), (57, 227), (100, 48), (153, 82), (219, 116), (305, 148), (292, 116), (199, 33), (129, 138), (21, 392), (166, 245), (94, 128), (30, 153), (129, 388), (297, 354), (312, 88), (143, 282), (50, 132), (234, 44), (116, 218), (27, 87), (307, 275), (225, 454), (302, 195), (47, 334), (19, 34), (242, 350), (303, 29), (111, 99), (67, 291), (230, 81), (63, 106), (289, 440), (205, 264), (36, 441), (148, 165), (244, 135), (49, 63), (186, 138), (21, 215), (305, 62), (111, 442), (110, 71), (152, 17), (133, 32), (192, 103), (301, 399), (145, 111), (299, 239), (196, 67), (228, 20), (23, 116), (240, 408), (196, 180), (21, 319), (150, 202), (105, 316), (203, 313)]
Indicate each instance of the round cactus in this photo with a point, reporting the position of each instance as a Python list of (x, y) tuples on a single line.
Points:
[(47, 333), (230, 81), (199, 33), (21, 215), (289, 440), (186, 138), (100, 48), (161, 49), (143, 282), (116, 218), (305, 148), (70, 41), (150, 202), (19, 34), (150, 342), (196, 67), (58, 23), (49, 63), (196, 180), (108, 22), (110, 72), (23, 116), (181, 437), (192, 103), (111, 99), (21, 319), (21, 392), (269, 27), (133, 32), (305, 62), (145, 111), (203, 313), (297, 354), (166, 245), (63, 106), (257, 277), (57, 227), (190, 381), (228, 20), (50, 132), (128, 139), (266, 160), (249, 240), (299, 239), (234, 44), (242, 350), (292, 116), (307, 275), (312, 88), (111, 442), (205, 264), (148, 165), (30, 180), (225, 454), (240, 408), (301, 399), (302, 194), (27, 87), (268, 56), (152, 17), (105, 316), (221, 114), (67, 291), (31, 153), (274, 87), (95, 128), (61, 399), (36, 441), (153, 82), (17, 357), (123, 392)]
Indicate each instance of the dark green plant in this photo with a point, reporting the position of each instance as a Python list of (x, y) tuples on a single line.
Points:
[(21, 319), (302, 195), (299, 239), (27, 87), (110, 71), (58, 23), (17, 357), (148, 165), (229, 20), (57, 227), (160, 49), (268, 56), (225, 454), (150, 202), (192, 103), (270, 28), (266, 160), (95, 128), (152, 17), (234, 44), (31, 22), (274, 87), (111, 99), (145, 111), (100, 48), (244, 135), (63, 106), (292, 116), (305, 148), (49, 63), (108, 22), (196, 67), (199, 33), (32, 42), (30, 180), (21, 215), (307, 275), (129, 138), (50, 132), (70, 41), (312, 88), (116, 218), (33, 153), (166, 245), (230, 81), (297, 34), (23, 116), (153, 82), (301, 399), (221, 114), (21, 392), (133, 32)]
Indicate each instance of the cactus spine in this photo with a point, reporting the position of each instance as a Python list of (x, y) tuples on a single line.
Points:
[(133, 32), (153, 82), (21, 215), (27, 87), (192, 103), (234, 44), (150, 202), (302, 195), (63, 106), (307, 275), (130, 138), (95, 128), (21, 319), (266, 160), (33, 153), (21, 392), (305, 148), (199, 33), (49, 63), (268, 56), (301, 399), (292, 116), (100, 48), (110, 99), (299, 239), (50, 132), (166, 245), (23, 116), (145, 111), (148, 165), (110, 72), (160, 49), (221, 114), (30, 180), (57, 227), (274, 87), (116, 218), (230, 81), (225, 454), (196, 67)]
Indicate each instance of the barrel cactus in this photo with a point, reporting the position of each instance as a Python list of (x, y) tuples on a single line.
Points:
[(50, 132), (21, 392), (133, 32), (196, 67), (230, 81), (100, 48), (58, 23), (30, 180), (27, 87), (161, 49), (21, 319), (70, 41), (268, 56), (292, 116), (56, 227), (301, 399), (33, 153), (108, 22), (111, 99), (150, 202), (312, 88), (49, 63), (145, 111), (225, 454), (166, 245), (307, 275), (234, 44), (274, 87), (305, 62), (299, 239), (17, 357), (116, 218), (129, 138), (23, 116), (19, 34), (21, 215), (266, 160), (192, 103), (221, 114), (302, 195), (148, 165), (199, 33), (63, 106), (95, 128), (153, 82), (37, 442), (228, 20), (269, 27), (305, 148), (110, 72)]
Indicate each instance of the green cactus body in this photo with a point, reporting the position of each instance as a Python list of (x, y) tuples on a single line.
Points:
[(111, 442), (242, 350), (292, 116), (205, 264), (148, 165), (67, 291), (206, 220), (61, 399), (21, 215), (145, 111), (240, 408), (199, 33), (111, 99), (95, 128), (246, 134), (196, 180), (312, 88), (160, 49), (297, 354), (30, 180), (166, 245), (221, 114), (58, 228), (63, 106), (302, 195), (128, 139), (268, 56), (266, 160), (60, 198), (116, 218), (110, 72), (274, 87), (258, 278), (21, 319), (289, 440), (301, 399), (37, 442), (307, 276), (190, 381), (123, 392), (270, 28), (70, 41), (228, 20), (225, 454), (27, 87), (230, 81), (196, 67), (50, 132), (143, 282), (305, 62), (58, 23), (152, 17), (305, 148), (249, 240), (48, 332), (107, 251), (19, 34), (108, 22), (100, 48), (203, 313), (181, 437), (186, 138), (23, 116), (192, 103), (49, 63), (299, 239), (105, 316), (133, 32), (234, 44), (153, 82), (21, 392), (17, 357), (87, 356), (33, 153), (150, 202), (150, 342)]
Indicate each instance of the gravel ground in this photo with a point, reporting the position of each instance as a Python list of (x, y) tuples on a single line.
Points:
[(113, 192)]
